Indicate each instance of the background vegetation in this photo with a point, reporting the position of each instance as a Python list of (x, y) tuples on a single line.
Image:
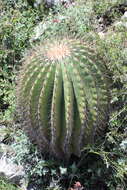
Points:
[(102, 166)]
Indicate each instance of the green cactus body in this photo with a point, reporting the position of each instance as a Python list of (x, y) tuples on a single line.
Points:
[(63, 96)]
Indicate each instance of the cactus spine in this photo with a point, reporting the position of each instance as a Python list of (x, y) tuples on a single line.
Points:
[(63, 96)]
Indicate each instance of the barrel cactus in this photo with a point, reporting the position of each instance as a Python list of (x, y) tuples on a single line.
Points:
[(63, 96)]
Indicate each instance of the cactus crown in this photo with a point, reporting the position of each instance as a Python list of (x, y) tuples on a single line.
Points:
[(63, 96)]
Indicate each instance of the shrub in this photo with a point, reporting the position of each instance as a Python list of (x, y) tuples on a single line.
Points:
[(16, 26), (5, 185), (7, 104)]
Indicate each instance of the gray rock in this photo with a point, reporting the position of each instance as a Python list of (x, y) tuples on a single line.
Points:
[(124, 16), (13, 172), (51, 3), (125, 24), (120, 24), (119, 187), (6, 150), (124, 145)]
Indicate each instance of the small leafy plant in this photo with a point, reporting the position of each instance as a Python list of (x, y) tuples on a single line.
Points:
[(4, 185)]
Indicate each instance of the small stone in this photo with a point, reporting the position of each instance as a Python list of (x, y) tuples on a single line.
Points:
[(124, 144), (124, 16), (51, 3), (101, 34), (3, 132), (119, 187), (125, 24), (100, 20)]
